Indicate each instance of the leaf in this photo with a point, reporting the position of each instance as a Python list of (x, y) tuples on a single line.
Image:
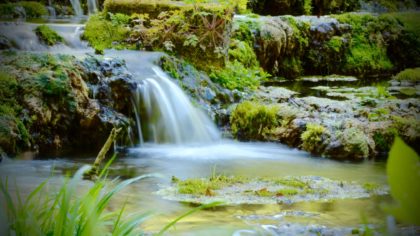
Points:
[(403, 170)]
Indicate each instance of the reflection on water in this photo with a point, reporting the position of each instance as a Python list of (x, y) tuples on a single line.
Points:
[(230, 158)]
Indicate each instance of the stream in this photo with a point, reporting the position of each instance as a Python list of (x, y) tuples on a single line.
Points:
[(189, 159)]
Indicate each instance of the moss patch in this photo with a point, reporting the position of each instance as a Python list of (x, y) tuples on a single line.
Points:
[(48, 36), (32, 9), (102, 33), (409, 74), (252, 121)]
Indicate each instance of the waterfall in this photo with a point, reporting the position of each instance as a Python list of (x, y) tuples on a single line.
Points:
[(92, 6), (51, 12), (164, 113), (76, 7)]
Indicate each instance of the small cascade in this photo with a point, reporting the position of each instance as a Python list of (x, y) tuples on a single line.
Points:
[(164, 113), (51, 12), (22, 37), (92, 6), (78, 11)]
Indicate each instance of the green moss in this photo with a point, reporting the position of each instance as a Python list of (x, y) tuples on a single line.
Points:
[(367, 53), (335, 43), (237, 76), (379, 114), (384, 139), (242, 52), (48, 36), (355, 143), (291, 182), (370, 187), (314, 138), (251, 120), (102, 33), (32, 9), (409, 74), (206, 186), (286, 192)]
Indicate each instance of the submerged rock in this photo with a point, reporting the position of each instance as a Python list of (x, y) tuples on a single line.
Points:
[(287, 190)]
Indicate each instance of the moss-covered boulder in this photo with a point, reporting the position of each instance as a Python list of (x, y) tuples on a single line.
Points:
[(47, 35), (49, 102)]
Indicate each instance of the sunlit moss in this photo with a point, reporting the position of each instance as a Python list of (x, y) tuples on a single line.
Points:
[(48, 35), (292, 182), (251, 120), (314, 138), (102, 33)]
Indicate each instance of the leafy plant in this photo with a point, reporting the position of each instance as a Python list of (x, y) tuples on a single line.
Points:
[(236, 76), (403, 171)]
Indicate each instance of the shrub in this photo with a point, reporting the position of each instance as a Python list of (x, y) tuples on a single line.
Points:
[(315, 138), (47, 35), (409, 74), (252, 121)]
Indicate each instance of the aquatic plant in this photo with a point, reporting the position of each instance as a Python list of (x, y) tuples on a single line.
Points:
[(68, 212), (252, 120), (48, 35)]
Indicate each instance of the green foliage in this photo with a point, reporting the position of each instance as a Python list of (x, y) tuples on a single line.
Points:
[(409, 74), (243, 53), (252, 121), (314, 138), (307, 7), (102, 33), (379, 114), (73, 213), (32, 9), (368, 48), (403, 171), (335, 43), (47, 35), (236, 76), (207, 186)]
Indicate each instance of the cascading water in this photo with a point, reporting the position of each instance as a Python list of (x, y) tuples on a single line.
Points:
[(23, 37), (164, 113), (92, 6), (76, 7)]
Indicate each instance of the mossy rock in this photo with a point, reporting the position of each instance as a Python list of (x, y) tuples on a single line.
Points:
[(252, 121), (48, 36), (315, 138), (409, 75)]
